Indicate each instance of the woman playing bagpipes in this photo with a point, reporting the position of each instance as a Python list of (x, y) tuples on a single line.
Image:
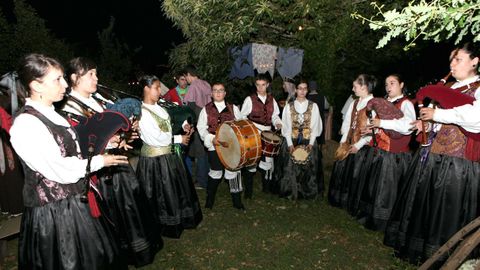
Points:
[(57, 230), (441, 188), (388, 155), (170, 192), (122, 199), (351, 151), (301, 125)]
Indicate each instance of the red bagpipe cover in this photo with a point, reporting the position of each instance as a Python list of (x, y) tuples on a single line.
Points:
[(448, 98), (385, 110), (98, 129)]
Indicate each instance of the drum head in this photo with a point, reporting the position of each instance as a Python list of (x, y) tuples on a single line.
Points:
[(230, 156), (300, 155)]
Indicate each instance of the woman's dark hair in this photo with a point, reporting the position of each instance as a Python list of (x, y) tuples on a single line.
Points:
[(300, 80), (35, 66), (147, 80), (79, 66), (470, 48), (369, 80)]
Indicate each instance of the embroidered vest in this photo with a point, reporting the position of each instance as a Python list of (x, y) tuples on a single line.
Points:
[(357, 121), (163, 124), (301, 122), (261, 113), (216, 118), (38, 190), (450, 140)]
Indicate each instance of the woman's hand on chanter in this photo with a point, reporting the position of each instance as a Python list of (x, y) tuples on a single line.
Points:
[(114, 160)]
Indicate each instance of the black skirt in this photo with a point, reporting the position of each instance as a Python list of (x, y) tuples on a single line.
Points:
[(63, 235), (438, 198), (171, 195), (378, 180), (127, 208), (299, 181), (343, 188)]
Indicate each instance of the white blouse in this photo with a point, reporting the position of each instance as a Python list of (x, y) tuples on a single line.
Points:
[(362, 103), (74, 108), (301, 107), (202, 124), (150, 133), (466, 116), (34, 143), (247, 109)]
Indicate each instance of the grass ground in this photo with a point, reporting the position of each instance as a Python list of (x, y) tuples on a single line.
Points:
[(273, 233)]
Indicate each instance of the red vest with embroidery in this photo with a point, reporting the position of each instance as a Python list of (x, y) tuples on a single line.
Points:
[(216, 118), (261, 113)]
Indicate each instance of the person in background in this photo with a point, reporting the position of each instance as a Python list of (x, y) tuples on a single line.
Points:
[(211, 117), (262, 109), (11, 172), (198, 95), (322, 104), (57, 229), (160, 171), (177, 94)]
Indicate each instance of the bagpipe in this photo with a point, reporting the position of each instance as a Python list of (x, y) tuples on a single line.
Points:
[(446, 98), (384, 110), (95, 129), (178, 113)]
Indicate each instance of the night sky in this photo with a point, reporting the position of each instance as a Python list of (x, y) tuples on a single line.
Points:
[(138, 23), (141, 24)]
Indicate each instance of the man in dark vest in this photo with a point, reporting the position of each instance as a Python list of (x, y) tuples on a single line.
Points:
[(262, 109), (212, 116)]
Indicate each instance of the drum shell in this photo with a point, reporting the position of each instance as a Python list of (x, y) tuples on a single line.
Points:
[(247, 137), (270, 147)]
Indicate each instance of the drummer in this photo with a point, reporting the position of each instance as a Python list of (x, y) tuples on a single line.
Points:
[(301, 126), (262, 109), (212, 116)]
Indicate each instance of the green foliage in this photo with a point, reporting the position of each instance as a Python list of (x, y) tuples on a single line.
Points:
[(436, 20), (336, 48)]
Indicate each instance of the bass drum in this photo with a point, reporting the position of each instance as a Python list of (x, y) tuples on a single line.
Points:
[(244, 145)]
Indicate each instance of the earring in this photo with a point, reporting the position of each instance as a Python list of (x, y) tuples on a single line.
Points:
[(41, 96)]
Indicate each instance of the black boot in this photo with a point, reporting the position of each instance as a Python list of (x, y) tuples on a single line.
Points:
[(212, 187), (248, 181), (237, 201)]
